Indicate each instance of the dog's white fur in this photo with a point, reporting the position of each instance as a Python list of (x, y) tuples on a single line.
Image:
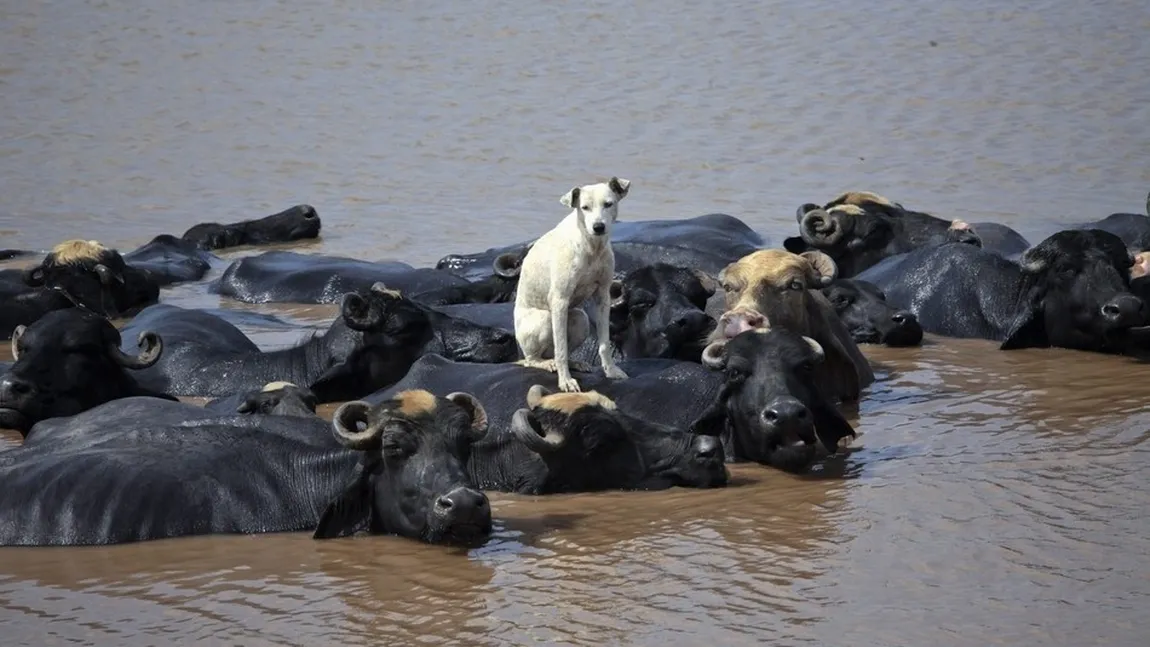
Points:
[(565, 267)]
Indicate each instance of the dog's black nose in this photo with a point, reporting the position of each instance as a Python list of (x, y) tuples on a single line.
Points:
[(598, 228)]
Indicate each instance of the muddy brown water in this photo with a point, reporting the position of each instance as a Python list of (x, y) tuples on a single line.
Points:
[(995, 498)]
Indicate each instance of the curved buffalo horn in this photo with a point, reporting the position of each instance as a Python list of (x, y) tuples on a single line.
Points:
[(107, 276), (536, 394), (345, 425), (526, 430), (507, 265), (618, 293), (820, 354), (823, 264), (803, 209), (713, 354), (709, 283), (151, 347), (820, 228), (474, 409), (358, 312), (16, 335), (33, 276)]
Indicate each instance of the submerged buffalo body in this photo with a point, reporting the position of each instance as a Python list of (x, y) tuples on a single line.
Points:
[(295, 223), (706, 243), (288, 277), (142, 469), (373, 342)]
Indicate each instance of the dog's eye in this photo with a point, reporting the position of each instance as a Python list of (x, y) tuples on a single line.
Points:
[(585, 207), (607, 205)]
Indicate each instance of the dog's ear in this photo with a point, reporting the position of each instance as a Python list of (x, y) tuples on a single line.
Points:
[(571, 199), (619, 186)]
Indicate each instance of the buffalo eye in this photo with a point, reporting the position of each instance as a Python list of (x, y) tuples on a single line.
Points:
[(640, 308), (806, 367), (840, 301), (796, 285), (736, 374)]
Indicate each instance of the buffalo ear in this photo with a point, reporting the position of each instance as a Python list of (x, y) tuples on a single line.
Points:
[(831, 426), (350, 512), (796, 245), (1029, 328)]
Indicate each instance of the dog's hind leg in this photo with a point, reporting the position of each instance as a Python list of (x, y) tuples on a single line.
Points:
[(534, 335)]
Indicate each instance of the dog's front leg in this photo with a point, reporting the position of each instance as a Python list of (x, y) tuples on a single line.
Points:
[(559, 313), (603, 329)]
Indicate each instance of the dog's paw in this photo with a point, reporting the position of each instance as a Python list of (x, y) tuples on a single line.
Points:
[(545, 364), (579, 367), (569, 385), (614, 372)]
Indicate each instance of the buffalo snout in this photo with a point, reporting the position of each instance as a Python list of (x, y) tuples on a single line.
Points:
[(1124, 311), (905, 331), (463, 513), (790, 417), (707, 447)]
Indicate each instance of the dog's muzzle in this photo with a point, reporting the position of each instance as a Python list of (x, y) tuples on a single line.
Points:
[(598, 229)]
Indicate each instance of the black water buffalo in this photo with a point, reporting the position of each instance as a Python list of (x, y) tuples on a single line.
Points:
[(863, 308), (1132, 228), (75, 273), (373, 342), (1072, 290), (1000, 239), (706, 243), (858, 229), (498, 287), (274, 399), (295, 223), (660, 311), (141, 469), (288, 277), (169, 260), (756, 392), (570, 442), (69, 361)]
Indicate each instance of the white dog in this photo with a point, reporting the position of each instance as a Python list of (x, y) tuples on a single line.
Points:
[(565, 267)]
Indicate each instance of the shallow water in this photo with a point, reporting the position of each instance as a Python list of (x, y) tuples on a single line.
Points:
[(996, 498)]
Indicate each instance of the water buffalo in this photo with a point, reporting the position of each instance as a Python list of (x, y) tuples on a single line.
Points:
[(756, 392), (141, 469), (1072, 290), (412, 478), (869, 318), (274, 399), (373, 342), (288, 277), (498, 287), (1132, 228), (69, 361), (9, 254), (295, 223), (858, 229), (77, 273), (169, 260), (560, 442), (660, 311), (21, 305), (705, 242), (776, 288)]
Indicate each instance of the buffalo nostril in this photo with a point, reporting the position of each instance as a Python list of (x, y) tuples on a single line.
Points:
[(444, 504), (1111, 310), (770, 415), (898, 317)]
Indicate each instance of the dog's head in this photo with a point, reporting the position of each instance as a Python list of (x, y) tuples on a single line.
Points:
[(597, 204)]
